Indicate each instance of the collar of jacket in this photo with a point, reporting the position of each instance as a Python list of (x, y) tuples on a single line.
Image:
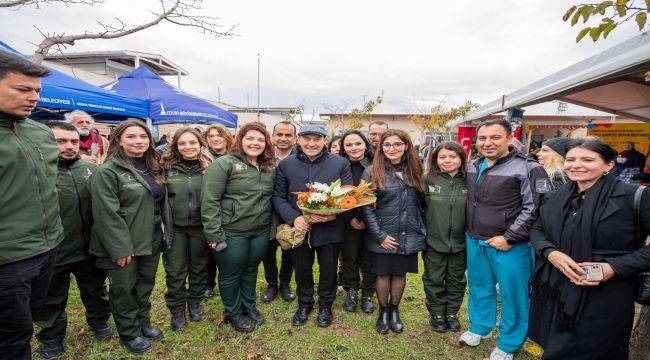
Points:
[(300, 155), (64, 163), (512, 154), (444, 175), (365, 162), (9, 121), (187, 170)]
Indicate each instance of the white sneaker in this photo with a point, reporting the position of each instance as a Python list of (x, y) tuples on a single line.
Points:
[(498, 354), (471, 339)]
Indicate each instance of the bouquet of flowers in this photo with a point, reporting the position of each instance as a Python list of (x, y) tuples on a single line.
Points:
[(323, 199)]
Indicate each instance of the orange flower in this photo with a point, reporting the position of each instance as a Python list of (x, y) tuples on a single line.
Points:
[(331, 202), (348, 202)]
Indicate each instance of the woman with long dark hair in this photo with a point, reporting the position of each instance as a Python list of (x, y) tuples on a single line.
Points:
[(356, 258), (185, 163), (395, 226), (236, 211), (445, 259), (334, 146), (588, 224), (129, 212)]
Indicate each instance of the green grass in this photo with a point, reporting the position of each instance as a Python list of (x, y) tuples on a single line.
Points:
[(351, 336)]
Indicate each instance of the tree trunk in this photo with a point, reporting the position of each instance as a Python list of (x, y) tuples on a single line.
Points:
[(639, 344)]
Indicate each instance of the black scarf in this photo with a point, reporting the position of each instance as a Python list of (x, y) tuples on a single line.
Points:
[(578, 244)]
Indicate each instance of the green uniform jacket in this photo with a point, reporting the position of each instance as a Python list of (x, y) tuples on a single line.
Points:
[(123, 213), (29, 206), (235, 198), (445, 215), (73, 185), (184, 194)]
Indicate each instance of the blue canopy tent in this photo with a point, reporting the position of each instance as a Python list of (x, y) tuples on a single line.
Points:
[(63, 92), (168, 104)]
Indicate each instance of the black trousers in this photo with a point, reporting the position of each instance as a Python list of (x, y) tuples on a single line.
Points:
[(271, 266), (303, 262), (23, 290), (53, 319), (212, 271)]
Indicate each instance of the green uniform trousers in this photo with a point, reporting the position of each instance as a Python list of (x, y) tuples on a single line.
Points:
[(186, 259), (444, 281), (53, 319), (130, 289), (355, 258), (238, 265)]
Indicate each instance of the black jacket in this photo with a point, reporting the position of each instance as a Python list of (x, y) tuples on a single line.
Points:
[(506, 198), (294, 174), (398, 213)]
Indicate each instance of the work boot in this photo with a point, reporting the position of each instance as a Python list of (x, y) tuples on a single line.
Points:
[(325, 317), (301, 316), (287, 294), (102, 331), (196, 312), (178, 320), (367, 306), (51, 349), (256, 316), (241, 324), (452, 323), (438, 323), (152, 333), (382, 319), (395, 322), (269, 294), (138, 345), (350, 302)]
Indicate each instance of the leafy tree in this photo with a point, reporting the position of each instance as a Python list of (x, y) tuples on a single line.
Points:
[(436, 120), (358, 117), (611, 14)]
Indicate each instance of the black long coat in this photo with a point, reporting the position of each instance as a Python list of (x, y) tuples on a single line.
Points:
[(603, 330)]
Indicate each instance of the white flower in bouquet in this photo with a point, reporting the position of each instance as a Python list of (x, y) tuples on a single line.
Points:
[(317, 197), (321, 188), (337, 191)]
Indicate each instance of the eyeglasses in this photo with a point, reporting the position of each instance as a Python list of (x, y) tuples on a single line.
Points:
[(396, 146)]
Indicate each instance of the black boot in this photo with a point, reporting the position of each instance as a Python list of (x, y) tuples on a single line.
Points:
[(301, 316), (367, 306), (382, 320), (452, 323), (350, 302), (256, 316), (325, 317), (138, 345), (196, 312), (102, 331), (395, 322), (270, 294), (152, 333), (438, 323), (178, 320), (51, 349), (241, 324), (287, 294)]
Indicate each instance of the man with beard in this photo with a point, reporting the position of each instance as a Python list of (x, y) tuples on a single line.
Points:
[(72, 254), (92, 146), (284, 137), (375, 130), (30, 227)]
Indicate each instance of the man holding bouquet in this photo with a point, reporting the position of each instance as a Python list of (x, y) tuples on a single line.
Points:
[(312, 163)]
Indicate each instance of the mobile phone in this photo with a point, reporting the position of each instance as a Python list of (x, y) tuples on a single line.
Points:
[(594, 272)]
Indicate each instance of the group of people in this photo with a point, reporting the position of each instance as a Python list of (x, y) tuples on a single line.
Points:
[(501, 224)]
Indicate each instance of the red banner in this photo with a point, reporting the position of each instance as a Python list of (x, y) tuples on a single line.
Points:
[(466, 138)]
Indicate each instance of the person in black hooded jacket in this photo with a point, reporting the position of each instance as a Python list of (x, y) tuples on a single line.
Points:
[(395, 225)]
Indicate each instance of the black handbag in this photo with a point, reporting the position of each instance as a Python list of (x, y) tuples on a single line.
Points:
[(643, 283)]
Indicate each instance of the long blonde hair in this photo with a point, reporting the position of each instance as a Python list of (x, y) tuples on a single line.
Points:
[(554, 166)]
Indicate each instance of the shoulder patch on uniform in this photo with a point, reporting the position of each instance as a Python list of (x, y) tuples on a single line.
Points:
[(127, 176), (87, 174), (542, 186), (434, 189), (463, 191), (239, 166)]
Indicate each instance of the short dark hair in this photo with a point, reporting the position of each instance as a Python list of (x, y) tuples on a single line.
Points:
[(501, 122), (17, 64), (603, 149), (378, 122), (62, 125), (286, 122)]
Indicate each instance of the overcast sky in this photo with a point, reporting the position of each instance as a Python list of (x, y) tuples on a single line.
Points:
[(328, 55)]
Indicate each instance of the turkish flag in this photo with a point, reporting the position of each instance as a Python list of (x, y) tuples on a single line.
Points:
[(466, 137)]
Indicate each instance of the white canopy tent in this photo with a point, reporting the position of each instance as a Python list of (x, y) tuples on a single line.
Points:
[(612, 81)]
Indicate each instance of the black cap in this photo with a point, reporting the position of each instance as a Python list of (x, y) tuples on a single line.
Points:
[(558, 144)]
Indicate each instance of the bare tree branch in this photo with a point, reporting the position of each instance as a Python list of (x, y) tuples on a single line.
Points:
[(178, 12), (21, 3)]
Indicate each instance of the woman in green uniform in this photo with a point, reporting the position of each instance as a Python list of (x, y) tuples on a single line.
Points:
[(236, 212), (445, 259), (130, 212), (184, 164)]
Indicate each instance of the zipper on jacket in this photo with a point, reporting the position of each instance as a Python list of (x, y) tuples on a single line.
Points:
[(189, 199), (81, 213), (451, 208)]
